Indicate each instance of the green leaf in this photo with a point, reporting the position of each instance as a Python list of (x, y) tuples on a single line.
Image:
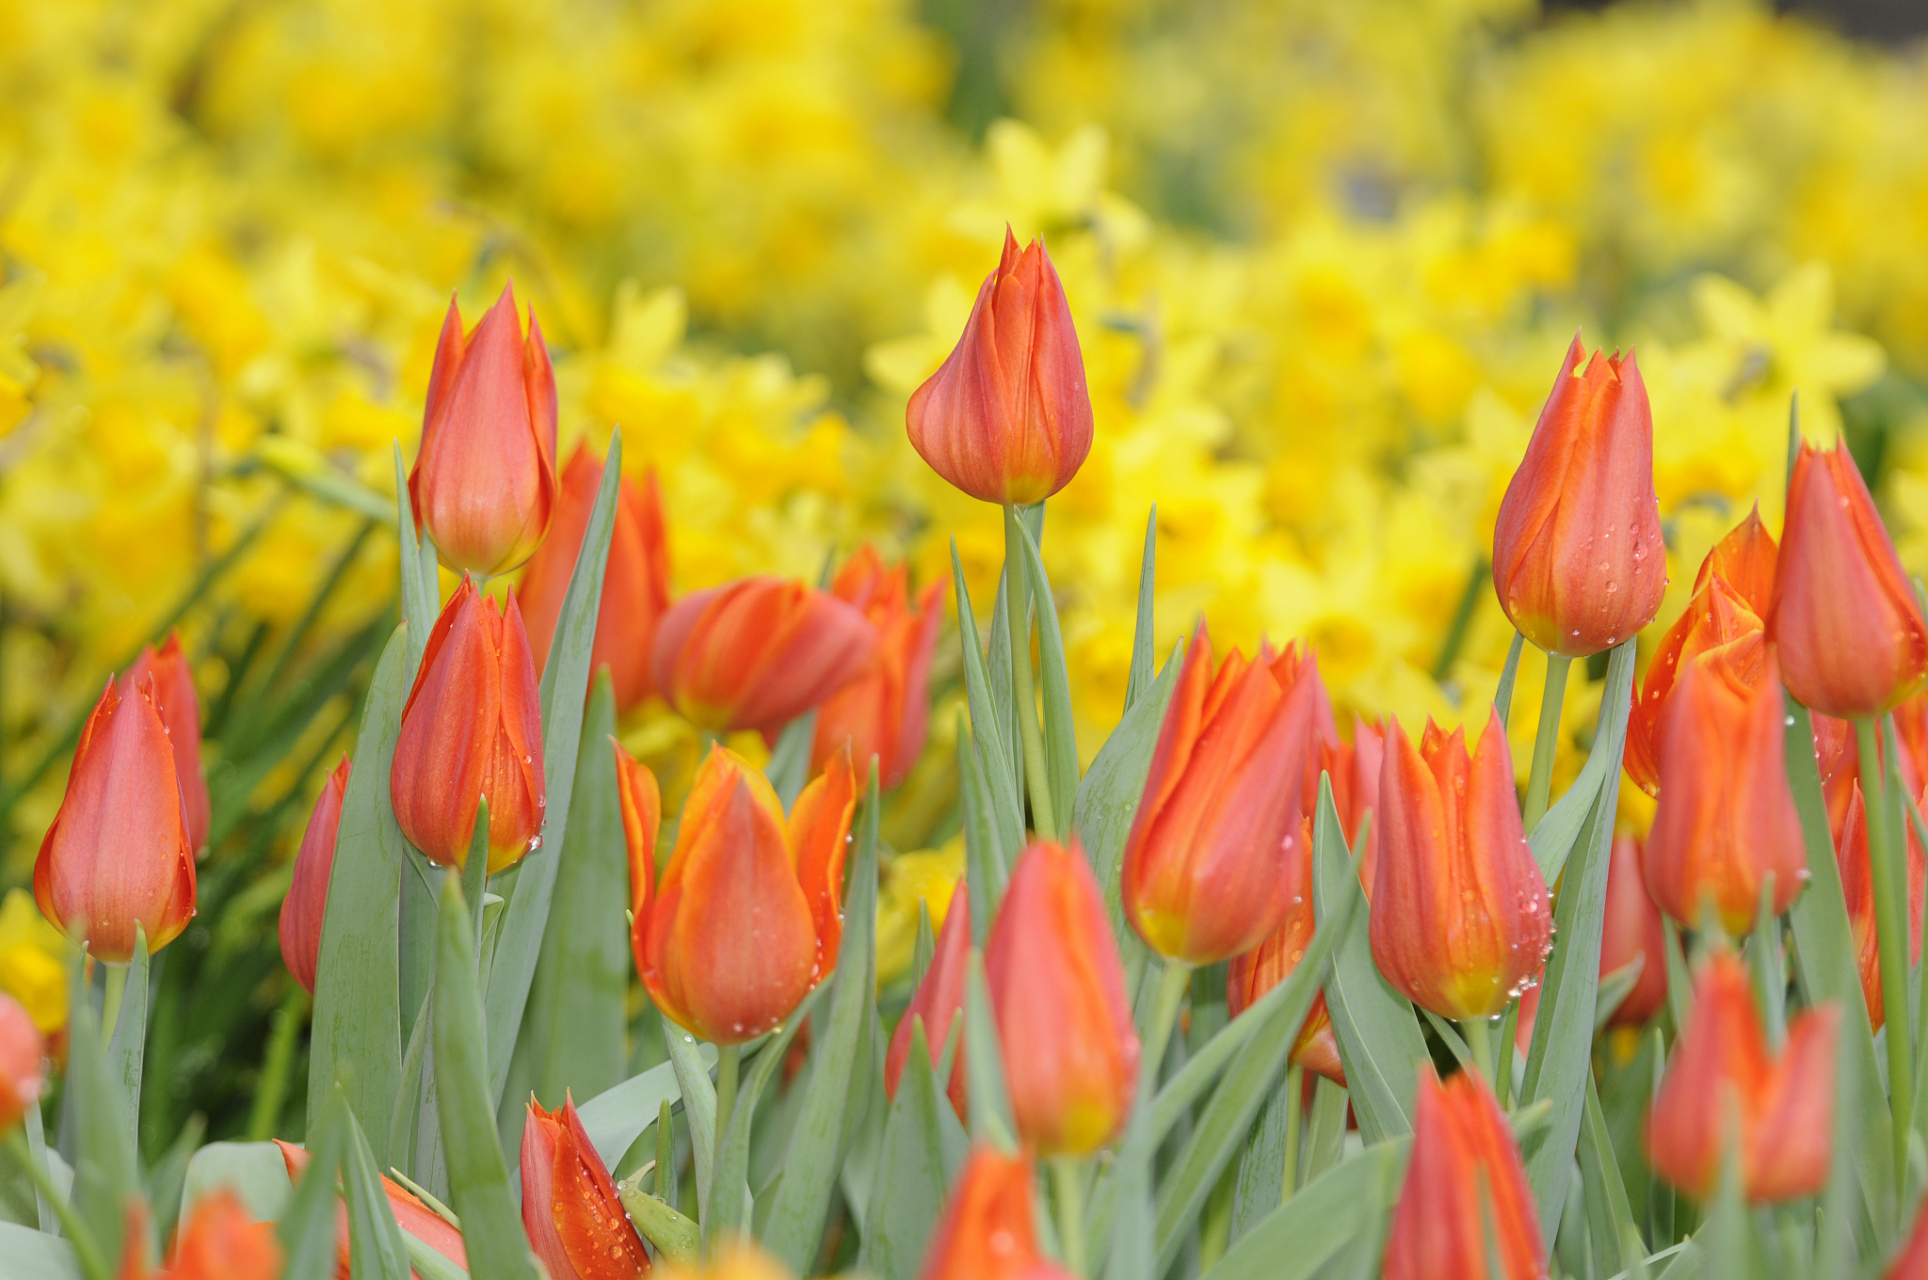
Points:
[(913, 1172), (1503, 696), (127, 1045), (255, 1171), (1142, 640), (677, 1238), (376, 1251), (308, 1224), (429, 1264), (1552, 839), (415, 1132), (32, 1255), (478, 1178), (356, 1036), (991, 1119), (789, 767), (616, 1117), (105, 1172), (984, 861), (729, 1210), (1325, 1129), (1262, 1165), (692, 1069), (565, 687), (795, 1223), (1298, 1239), (168, 1176), (988, 730), (1609, 1213), (1060, 724)]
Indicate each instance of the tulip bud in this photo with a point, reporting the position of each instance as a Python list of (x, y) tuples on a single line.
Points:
[(1465, 1199), (22, 1062), (1630, 930), (1459, 908), (635, 582), (180, 712), (472, 727), (1726, 818), (758, 652), (1844, 620), (118, 853), (303, 909), (219, 1241), (746, 918), (1578, 560), (1058, 990), (1257, 971), (1722, 1087), (986, 1231), (1007, 418), (1857, 887), (484, 483), (414, 1217), (1354, 768), (575, 1223), (938, 1000), (885, 711), (641, 802)]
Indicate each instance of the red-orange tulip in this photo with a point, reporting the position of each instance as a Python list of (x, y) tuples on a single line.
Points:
[(1726, 818), (986, 1231), (307, 901), (758, 652), (635, 583), (641, 802), (938, 1000), (748, 915), (1354, 768), (22, 1062), (575, 1223), (411, 1215), (1857, 886), (1578, 560), (1007, 418), (1058, 990), (118, 853), (1460, 922), (1257, 971), (219, 1241), (885, 711), (472, 727), (1632, 929), (1722, 1086), (180, 710), (1213, 852), (1465, 1191), (484, 483), (1844, 618)]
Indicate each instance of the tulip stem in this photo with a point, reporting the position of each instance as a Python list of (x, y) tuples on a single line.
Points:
[(1018, 617), (85, 1251), (1539, 783), (116, 990), (1479, 1042), (1891, 933), (1158, 1032), (729, 1058), (1067, 1179), (1294, 1121)]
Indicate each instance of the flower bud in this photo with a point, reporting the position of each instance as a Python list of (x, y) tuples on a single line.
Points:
[(758, 652), (1631, 930), (986, 1232), (885, 711), (484, 482), (938, 1000), (1857, 887), (1460, 922), (1844, 620), (1726, 818), (219, 1241), (1007, 417), (635, 591), (118, 853), (180, 711), (575, 1223), (22, 1062), (1465, 1199), (1578, 560), (1354, 768), (1257, 971), (303, 909), (1058, 990), (1723, 1087), (747, 916), (472, 727), (414, 1217)]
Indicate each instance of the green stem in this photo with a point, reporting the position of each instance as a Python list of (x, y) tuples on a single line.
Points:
[(1294, 1120), (1891, 934), (271, 1090), (1539, 784), (85, 1251), (729, 1059), (1067, 1178), (1018, 616), (1479, 1042), (111, 1005), (1164, 1016)]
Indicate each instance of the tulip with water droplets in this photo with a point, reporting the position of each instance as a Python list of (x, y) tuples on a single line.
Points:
[(575, 1222)]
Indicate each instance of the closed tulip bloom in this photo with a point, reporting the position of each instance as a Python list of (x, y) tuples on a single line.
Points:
[(414, 1217), (118, 853), (758, 652), (1857, 887), (180, 710), (1726, 818), (303, 909), (219, 1241), (1255, 972), (575, 1223), (635, 581), (1210, 863), (484, 482), (938, 1000), (1465, 1201), (747, 916), (1632, 929), (1354, 768), (1007, 418), (22, 1062), (885, 711), (1058, 990), (1722, 1085), (641, 804), (472, 727), (986, 1232), (1460, 922)]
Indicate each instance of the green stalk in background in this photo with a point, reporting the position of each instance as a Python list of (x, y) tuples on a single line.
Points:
[(1891, 932), (1043, 806), (1539, 784)]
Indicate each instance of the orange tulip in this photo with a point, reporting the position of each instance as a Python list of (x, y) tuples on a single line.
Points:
[(641, 802), (986, 1231), (1722, 1086), (1844, 618), (484, 482), (575, 1223), (180, 711), (1857, 886), (885, 711), (1354, 768), (1465, 1199), (22, 1062), (1212, 857), (747, 917), (758, 652), (305, 905), (1632, 928), (118, 853), (1007, 417), (1726, 818), (1257, 971), (411, 1215), (1578, 560), (219, 1241), (938, 1000), (1460, 922), (635, 583), (1058, 990), (472, 728)]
